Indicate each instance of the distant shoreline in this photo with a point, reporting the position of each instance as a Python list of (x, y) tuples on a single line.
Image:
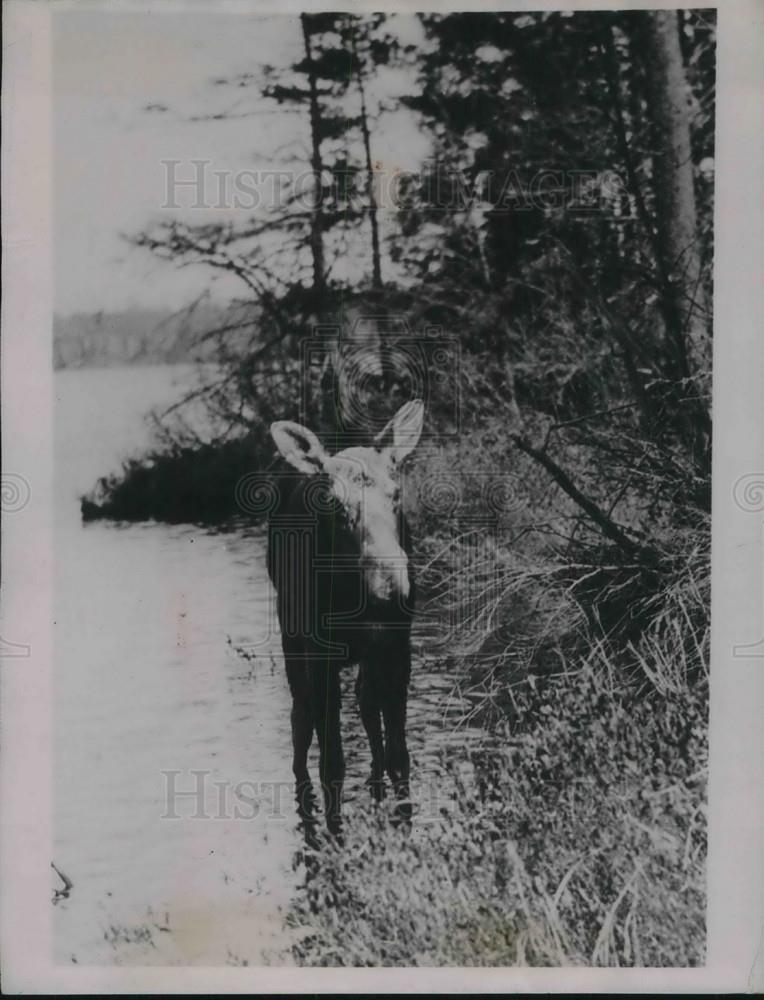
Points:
[(140, 337)]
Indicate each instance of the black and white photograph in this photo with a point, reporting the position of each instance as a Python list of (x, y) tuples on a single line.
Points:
[(382, 373)]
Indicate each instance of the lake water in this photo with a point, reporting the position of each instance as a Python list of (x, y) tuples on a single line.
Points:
[(151, 695)]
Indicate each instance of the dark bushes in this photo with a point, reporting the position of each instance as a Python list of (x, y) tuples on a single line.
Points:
[(191, 483)]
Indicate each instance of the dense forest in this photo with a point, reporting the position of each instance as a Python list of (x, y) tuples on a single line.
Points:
[(544, 281)]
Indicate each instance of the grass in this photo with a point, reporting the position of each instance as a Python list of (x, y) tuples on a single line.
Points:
[(582, 841)]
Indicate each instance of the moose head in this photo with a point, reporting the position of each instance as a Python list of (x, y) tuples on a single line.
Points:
[(365, 484)]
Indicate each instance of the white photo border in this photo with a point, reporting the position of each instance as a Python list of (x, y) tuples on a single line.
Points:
[(735, 935)]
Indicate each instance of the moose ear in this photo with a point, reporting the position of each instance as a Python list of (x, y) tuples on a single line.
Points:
[(402, 433), (299, 446)]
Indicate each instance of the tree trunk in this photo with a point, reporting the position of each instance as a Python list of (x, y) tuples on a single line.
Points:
[(676, 216), (372, 201), (316, 223), (327, 386), (684, 305)]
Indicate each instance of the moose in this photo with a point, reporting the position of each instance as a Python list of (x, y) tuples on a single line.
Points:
[(338, 557)]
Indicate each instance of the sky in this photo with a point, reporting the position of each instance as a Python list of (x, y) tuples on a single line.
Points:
[(126, 88)]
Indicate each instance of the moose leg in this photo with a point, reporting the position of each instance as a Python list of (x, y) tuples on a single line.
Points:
[(394, 694), (325, 701), (368, 703), (302, 737)]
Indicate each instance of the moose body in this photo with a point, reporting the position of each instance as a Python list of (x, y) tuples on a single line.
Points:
[(338, 557)]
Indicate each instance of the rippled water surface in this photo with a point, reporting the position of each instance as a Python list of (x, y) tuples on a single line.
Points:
[(151, 694)]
